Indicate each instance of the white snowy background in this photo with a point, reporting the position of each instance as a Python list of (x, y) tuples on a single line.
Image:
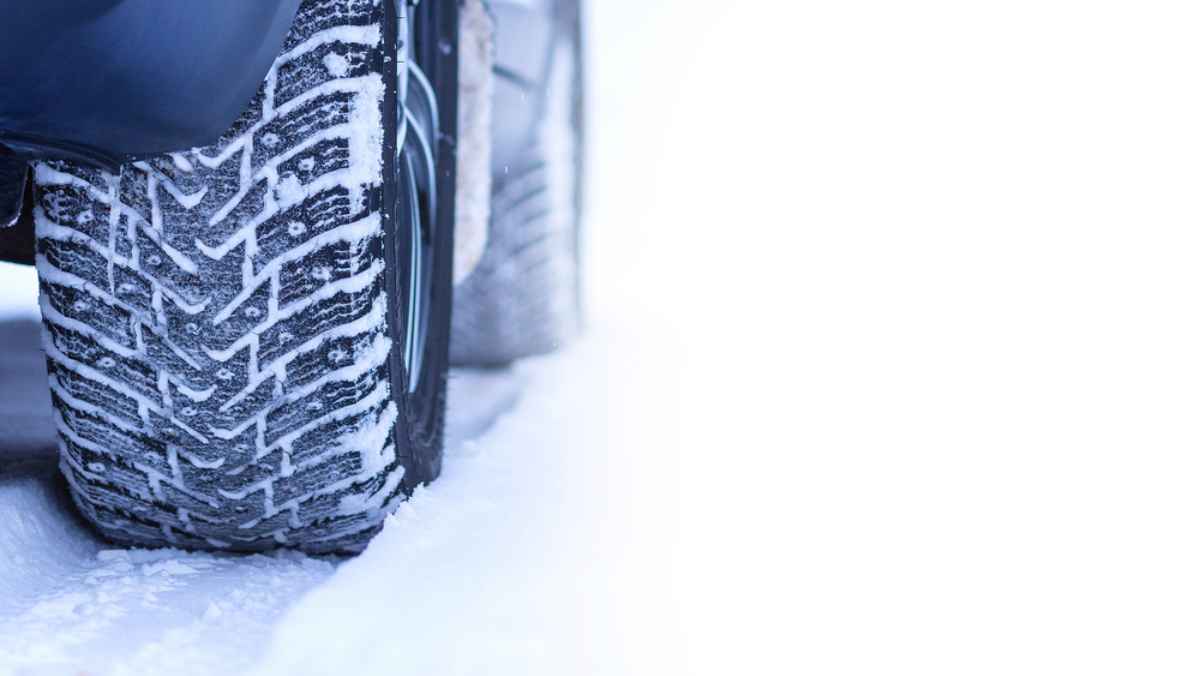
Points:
[(892, 369)]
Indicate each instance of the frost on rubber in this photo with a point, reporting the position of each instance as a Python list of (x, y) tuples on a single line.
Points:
[(215, 320), (523, 297)]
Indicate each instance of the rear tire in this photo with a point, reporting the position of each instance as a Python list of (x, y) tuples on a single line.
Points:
[(524, 296), (224, 326)]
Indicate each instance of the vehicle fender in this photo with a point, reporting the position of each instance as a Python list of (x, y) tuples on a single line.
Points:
[(111, 80)]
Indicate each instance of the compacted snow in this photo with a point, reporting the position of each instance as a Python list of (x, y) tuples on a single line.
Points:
[(527, 556)]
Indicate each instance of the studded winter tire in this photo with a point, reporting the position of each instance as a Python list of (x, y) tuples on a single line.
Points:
[(247, 342)]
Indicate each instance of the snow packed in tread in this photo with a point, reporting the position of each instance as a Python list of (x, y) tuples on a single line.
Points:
[(215, 320)]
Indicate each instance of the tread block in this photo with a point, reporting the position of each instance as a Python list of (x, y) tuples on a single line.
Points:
[(94, 392), (331, 354), (321, 15), (77, 208), (299, 124), (133, 373), (325, 63), (317, 319), (101, 315), (299, 279), (313, 443), (133, 290), (133, 446), (312, 479), (316, 215), (324, 157), (247, 208), (333, 396), (83, 261)]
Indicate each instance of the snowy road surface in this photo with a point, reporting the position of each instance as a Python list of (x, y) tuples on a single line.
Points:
[(519, 559)]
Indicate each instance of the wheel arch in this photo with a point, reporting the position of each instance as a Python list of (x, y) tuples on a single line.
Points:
[(108, 80)]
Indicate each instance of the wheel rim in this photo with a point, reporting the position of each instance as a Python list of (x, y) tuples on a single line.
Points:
[(417, 120)]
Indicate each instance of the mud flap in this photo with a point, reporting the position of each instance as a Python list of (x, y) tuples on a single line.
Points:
[(14, 177), (105, 80), (16, 221)]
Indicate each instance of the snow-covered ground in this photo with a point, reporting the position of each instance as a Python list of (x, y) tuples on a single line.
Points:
[(527, 556)]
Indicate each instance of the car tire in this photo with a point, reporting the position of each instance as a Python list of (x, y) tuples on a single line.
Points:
[(524, 296), (230, 330)]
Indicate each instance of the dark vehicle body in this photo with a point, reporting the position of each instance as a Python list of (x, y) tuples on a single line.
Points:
[(107, 80), (104, 82)]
